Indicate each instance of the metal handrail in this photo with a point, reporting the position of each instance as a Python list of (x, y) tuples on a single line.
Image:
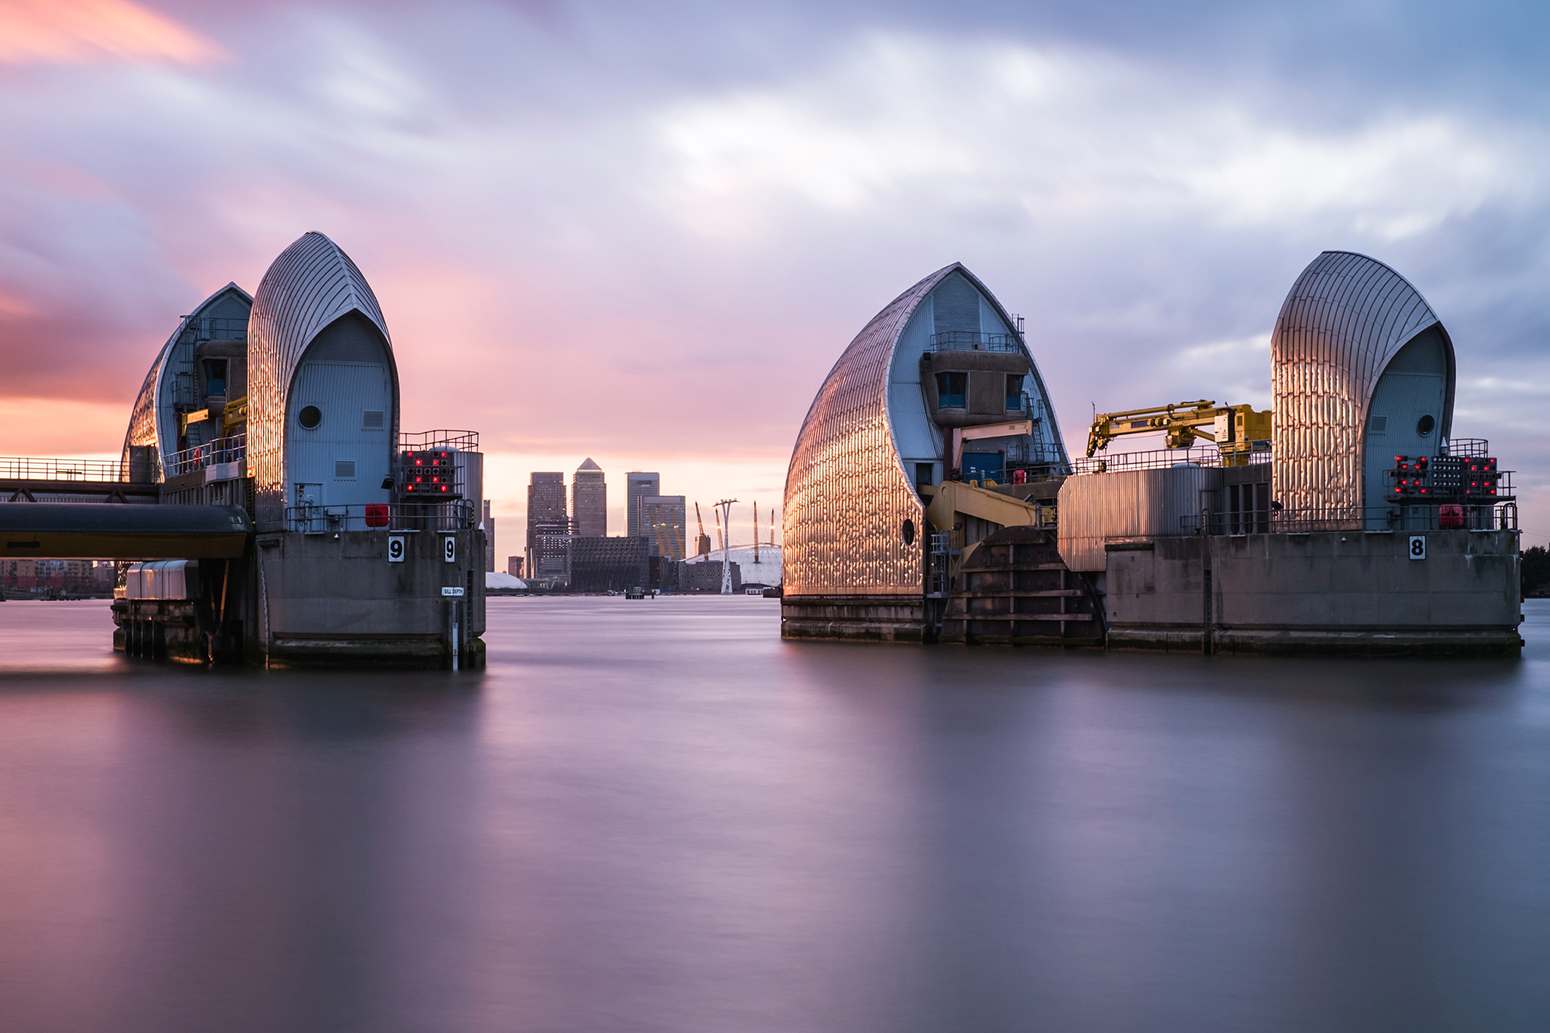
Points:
[(35, 468), (425, 440), (401, 516), (1502, 516), (973, 340), (222, 450), (1467, 448), (1163, 458)]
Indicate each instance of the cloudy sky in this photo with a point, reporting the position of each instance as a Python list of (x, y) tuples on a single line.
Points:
[(643, 233)]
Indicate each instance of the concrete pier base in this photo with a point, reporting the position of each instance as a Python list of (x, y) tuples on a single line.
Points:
[(1330, 592), (855, 618), (337, 599)]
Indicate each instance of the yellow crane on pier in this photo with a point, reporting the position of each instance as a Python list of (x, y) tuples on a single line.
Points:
[(1237, 430)]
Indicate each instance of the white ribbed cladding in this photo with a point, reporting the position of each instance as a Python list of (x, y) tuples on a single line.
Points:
[(1344, 319), (309, 286), (145, 426)]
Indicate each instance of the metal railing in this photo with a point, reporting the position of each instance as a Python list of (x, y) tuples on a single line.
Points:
[(425, 440), (1163, 458), (973, 340), (1501, 516), (223, 450), (33, 468), (385, 516), (1468, 448)]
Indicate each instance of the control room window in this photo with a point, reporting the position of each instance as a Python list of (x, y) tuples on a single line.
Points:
[(215, 377), (950, 390), (1014, 391)]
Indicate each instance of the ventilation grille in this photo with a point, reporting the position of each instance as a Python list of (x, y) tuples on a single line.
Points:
[(1378, 425), (344, 469), (371, 419)]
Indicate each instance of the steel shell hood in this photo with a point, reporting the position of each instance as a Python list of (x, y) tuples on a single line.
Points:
[(847, 493), (145, 428), (1344, 319), (311, 285)]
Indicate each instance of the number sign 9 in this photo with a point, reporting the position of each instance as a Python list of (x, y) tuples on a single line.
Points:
[(395, 548), (449, 549)]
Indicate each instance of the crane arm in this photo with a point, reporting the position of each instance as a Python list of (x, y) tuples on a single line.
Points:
[(1233, 427)]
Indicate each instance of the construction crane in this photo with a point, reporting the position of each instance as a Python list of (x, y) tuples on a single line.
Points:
[(702, 543), (1237, 430)]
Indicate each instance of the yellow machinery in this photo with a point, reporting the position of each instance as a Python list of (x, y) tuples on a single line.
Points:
[(234, 415), (1237, 430)]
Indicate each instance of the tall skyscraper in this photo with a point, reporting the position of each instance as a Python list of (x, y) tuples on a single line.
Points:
[(545, 514), (589, 501), (638, 485)]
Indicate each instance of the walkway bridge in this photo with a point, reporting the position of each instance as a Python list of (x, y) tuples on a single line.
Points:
[(91, 509), (31, 479)]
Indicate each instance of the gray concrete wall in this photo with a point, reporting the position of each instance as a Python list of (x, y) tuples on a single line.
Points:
[(1347, 591), (336, 597), (873, 618)]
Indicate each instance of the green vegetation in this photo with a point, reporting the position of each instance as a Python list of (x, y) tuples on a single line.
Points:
[(1535, 567)]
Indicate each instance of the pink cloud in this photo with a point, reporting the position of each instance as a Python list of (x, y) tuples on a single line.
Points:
[(91, 31)]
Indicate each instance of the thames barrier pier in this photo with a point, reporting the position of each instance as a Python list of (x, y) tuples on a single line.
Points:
[(279, 514), (930, 497)]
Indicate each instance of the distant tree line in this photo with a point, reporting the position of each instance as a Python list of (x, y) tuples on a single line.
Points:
[(1535, 568)]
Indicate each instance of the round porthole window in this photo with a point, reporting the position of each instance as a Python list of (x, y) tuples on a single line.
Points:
[(310, 416), (909, 532), (1424, 426)]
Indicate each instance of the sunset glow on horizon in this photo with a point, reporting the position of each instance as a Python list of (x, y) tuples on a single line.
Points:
[(644, 238)]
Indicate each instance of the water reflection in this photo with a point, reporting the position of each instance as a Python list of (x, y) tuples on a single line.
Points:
[(656, 815)]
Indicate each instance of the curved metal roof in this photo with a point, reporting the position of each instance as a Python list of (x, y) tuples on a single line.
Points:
[(308, 287), (1343, 320), (847, 492), (144, 427)]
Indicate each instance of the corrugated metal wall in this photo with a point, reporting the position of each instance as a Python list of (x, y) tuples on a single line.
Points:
[(1096, 507), (343, 391), (146, 426), (310, 285), (847, 494), (1344, 319), (847, 490)]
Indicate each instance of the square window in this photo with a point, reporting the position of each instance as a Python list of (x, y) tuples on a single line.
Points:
[(215, 377), (344, 469), (951, 389), (1014, 392)]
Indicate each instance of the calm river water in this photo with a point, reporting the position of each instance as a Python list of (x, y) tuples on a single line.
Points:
[(656, 816)]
